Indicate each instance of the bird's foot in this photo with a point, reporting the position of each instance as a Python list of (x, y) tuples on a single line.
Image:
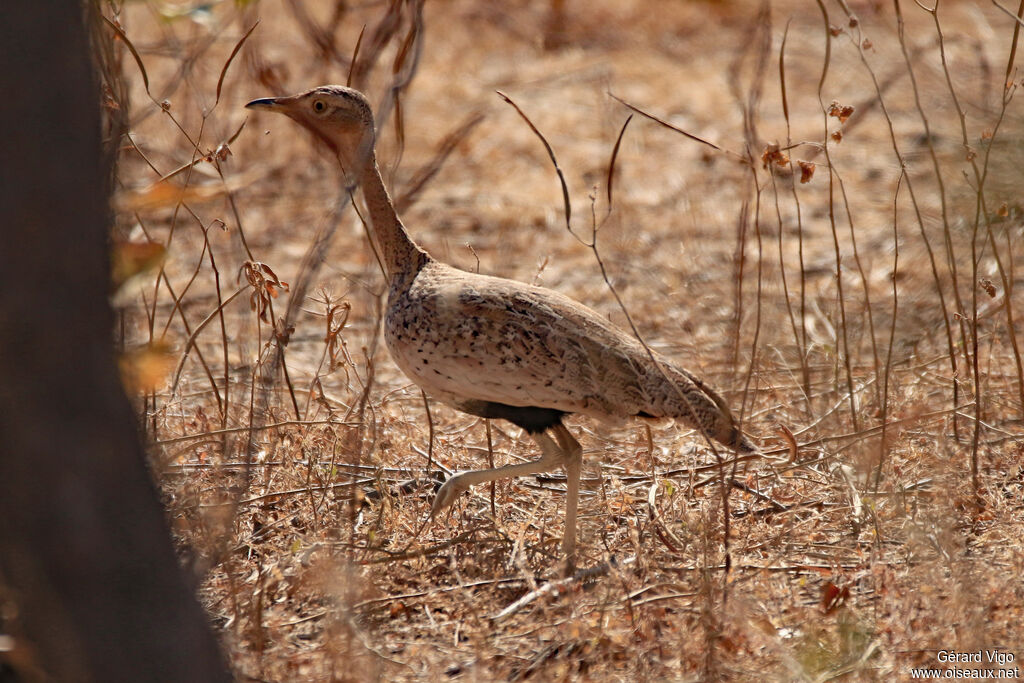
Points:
[(447, 495)]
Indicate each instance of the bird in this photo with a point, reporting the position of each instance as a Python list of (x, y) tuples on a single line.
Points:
[(498, 348)]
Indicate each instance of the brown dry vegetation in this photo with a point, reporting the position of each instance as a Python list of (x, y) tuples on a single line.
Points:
[(296, 490)]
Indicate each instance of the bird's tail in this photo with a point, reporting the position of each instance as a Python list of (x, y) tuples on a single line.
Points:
[(707, 411)]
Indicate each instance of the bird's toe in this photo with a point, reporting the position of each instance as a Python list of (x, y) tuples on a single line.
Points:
[(446, 495)]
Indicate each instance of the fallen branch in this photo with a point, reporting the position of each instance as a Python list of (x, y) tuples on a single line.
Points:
[(559, 586)]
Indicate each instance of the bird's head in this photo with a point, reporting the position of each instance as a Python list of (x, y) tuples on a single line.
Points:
[(339, 116)]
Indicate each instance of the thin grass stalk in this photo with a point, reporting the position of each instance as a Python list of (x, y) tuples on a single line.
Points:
[(804, 373), (758, 299), (1013, 43), (844, 352), (757, 38), (490, 465), (1005, 273), (282, 334), (975, 373), (177, 308), (196, 154), (738, 270), (883, 446), (946, 227), (430, 433), (188, 330), (316, 254), (982, 213), (799, 333), (763, 49), (175, 298), (223, 338), (864, 284), (595, 228), (763, 46), (194, 334), (924, 238)]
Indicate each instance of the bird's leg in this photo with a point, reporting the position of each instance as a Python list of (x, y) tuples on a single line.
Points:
[(573, 463), (551, 457)]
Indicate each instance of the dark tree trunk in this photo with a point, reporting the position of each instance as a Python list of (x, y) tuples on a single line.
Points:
[(84, 548)]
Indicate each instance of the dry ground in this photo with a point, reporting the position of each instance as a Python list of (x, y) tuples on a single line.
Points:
[(296, 492)]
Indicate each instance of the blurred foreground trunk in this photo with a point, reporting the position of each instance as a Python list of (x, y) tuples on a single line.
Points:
[(84, 549)]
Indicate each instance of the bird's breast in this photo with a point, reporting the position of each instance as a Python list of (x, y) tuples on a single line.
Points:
[(427, 337), (459, 341)]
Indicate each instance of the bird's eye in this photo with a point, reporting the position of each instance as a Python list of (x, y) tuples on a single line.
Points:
[(319, 106)]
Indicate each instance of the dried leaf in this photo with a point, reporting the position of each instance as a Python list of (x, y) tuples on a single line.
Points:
[(147, 368), (832, 596), (223, 152), (774, 155), (131, 48), (130, 259), (165, 194), (265, 285), (790, 438), (806, 170), (840, 111), (224, 71)]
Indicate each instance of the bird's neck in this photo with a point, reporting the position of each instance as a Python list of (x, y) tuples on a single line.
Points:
[(397, 250)]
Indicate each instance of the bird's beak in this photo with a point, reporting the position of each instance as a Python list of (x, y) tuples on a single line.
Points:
[(268, 103)]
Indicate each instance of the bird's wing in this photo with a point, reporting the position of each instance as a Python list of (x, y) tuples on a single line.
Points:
[(490, 339), (466, 337)]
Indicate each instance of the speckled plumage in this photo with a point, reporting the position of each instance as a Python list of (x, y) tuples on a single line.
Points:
[(499, 348), (466, 338)]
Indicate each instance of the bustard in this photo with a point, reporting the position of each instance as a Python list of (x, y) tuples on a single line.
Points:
[(499, 348)]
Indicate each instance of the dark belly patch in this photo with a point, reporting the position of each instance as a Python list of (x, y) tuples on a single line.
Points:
[(530, 418)]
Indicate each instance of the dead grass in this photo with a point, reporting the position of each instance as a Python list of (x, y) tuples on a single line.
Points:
[(297, 496)]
